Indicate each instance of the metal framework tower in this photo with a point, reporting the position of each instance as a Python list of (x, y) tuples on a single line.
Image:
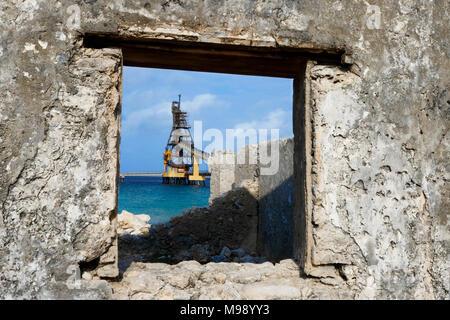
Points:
[(181, 158)]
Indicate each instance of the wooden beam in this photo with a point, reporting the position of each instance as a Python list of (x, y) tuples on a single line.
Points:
[(281, 67), (208, 57)]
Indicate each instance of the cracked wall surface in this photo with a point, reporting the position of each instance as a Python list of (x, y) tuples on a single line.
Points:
[(59, 209), (272, 194), (379, 128), (371, 204)]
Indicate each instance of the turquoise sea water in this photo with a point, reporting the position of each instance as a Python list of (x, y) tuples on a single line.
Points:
[(161, 201)]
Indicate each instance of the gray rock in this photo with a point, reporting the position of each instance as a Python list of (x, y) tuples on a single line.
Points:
[(200, 252), (130, 223), (225, 252), (178, 280), (238, 253), (219, 258), (270, 291), (260, 259), (182, 255), (226, 291), (170, 293), (245, 276), (142, 282), (248, 259), (108, 271), (86, 276)]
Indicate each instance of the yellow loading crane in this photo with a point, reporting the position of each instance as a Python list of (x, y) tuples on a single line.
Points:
[(181, 158)]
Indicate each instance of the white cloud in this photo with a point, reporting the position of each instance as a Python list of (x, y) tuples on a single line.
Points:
[(137, 99), (139, 118), (199, 102), (277, 119), (160, 113)]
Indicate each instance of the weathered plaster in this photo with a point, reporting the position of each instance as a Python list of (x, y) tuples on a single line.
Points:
[(388, 198)]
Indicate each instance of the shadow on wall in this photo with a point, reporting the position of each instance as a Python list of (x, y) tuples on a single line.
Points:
[(276, 226), (226, 231)]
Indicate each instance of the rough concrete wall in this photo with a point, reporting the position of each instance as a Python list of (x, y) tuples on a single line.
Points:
[(232, 170), (273, 193), (398, 50), (221, 164), (371, 204), (276, 204), (60, 117)]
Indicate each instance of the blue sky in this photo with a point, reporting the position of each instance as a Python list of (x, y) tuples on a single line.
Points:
[(220, 101)]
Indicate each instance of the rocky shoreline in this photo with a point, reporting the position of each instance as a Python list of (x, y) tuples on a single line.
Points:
[(134, 224), (222, 232)]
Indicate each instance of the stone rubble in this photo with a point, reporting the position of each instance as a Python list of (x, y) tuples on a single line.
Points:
[(221, 232), (202, 272), (130, 223), (192, 280), (139, 246)]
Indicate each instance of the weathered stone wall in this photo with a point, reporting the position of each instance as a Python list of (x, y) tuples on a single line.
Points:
[(222, 166), (275, 209), (273, 193), (60, 208), (371, 203), (382, 188)]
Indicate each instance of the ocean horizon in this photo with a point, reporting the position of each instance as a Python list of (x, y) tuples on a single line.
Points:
[(147, 195)]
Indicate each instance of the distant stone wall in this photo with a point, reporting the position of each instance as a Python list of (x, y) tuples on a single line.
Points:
[(274, 192), (276, 199), (222, 166)]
